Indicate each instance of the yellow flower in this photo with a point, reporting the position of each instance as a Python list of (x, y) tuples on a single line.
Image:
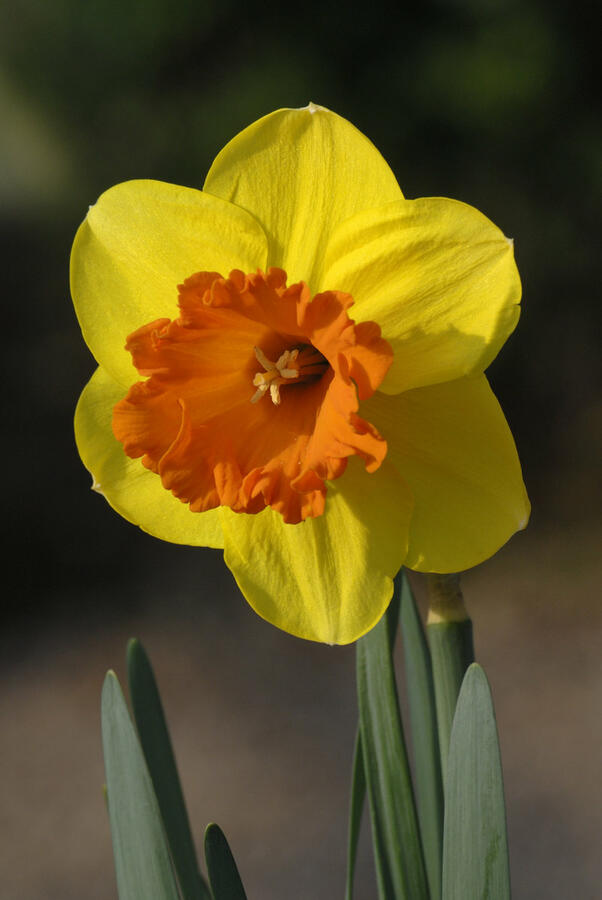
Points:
[(320, 452)]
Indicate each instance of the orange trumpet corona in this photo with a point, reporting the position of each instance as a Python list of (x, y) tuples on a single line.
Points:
[(252, 394)]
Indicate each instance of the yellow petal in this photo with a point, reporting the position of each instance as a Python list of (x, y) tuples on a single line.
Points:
[(301, 172), (452, 445), (133, 491), (438, 277), (137, 243), (326, 579)]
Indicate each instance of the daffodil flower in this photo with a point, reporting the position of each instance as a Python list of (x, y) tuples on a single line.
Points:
[(302, 379)]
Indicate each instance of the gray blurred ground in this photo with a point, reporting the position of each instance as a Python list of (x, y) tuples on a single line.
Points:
[(263, 726)]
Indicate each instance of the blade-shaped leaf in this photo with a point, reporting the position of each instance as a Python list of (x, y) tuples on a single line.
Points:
[(398, 851), (358, 779), (358, 794), (158, 751), (223, 874), (142, 862), (425, 742), (475, 845)]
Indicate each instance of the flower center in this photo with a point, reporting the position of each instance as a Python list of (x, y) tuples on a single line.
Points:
[(191, 421), (292, 366)]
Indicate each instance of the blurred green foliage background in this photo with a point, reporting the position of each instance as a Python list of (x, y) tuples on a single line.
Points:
[(487, 101)]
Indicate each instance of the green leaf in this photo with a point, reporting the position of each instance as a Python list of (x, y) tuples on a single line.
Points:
[(358, 781), (397, 848), (425, 742), (475, 845), (142, 863), (358, 793), (452, 651), (223, 874), (156, 743)]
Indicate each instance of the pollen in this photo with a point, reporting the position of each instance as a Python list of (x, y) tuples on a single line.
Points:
[(190, 421)]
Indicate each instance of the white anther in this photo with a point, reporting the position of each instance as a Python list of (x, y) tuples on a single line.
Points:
[(259, 393)]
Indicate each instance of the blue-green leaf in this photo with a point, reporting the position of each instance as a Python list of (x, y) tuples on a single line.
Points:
[(475, 845), (425, 742), (156, 744), (142, 862), (223, 874), (398, 851)]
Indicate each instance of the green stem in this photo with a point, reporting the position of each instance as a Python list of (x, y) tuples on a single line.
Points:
[(449, 631)]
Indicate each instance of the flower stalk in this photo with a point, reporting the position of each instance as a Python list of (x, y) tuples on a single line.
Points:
[(449, 632)]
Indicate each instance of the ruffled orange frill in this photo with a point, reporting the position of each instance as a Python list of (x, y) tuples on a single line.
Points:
[(252, 394)]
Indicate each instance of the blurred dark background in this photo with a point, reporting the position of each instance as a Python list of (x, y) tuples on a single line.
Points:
[(488, 101)]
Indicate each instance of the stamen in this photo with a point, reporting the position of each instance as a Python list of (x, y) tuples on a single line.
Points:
[(258, 393), (276, 373), (298, 364), (263, 360)]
